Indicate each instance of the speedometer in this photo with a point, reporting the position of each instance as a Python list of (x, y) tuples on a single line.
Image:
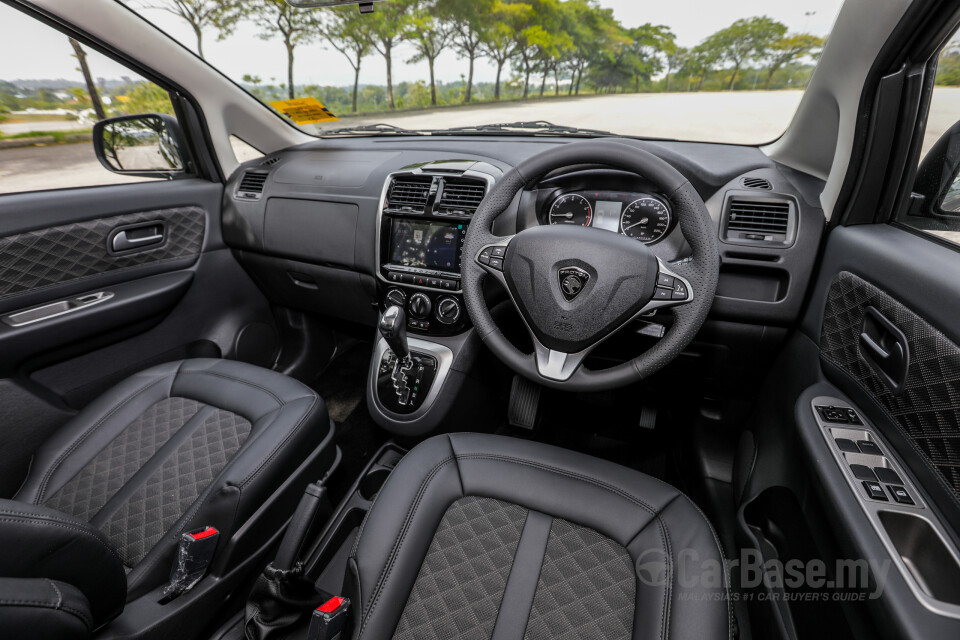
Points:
[(571, 209), (646, 219)]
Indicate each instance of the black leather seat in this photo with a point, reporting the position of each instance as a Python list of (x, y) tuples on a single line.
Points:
[(177, 447), (476, 536)]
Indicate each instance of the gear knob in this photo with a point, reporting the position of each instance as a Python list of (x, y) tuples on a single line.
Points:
[(393, 328)]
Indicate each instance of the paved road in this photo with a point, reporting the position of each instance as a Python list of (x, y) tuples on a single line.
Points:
[(742, 116), (13, 128)]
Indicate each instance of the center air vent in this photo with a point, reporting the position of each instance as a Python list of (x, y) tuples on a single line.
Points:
[(756, 183), (460, 197), (758, 219), (251, 185), (409, 194)]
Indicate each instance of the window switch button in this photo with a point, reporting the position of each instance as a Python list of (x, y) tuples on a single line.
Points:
[(900, 495), (875, 490), (888, 475), (869, 448), (863, 472), (847, 445)]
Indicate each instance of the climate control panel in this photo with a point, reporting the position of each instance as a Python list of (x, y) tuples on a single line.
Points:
[(428, 312)]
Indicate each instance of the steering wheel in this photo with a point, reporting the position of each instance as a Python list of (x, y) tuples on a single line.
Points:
[(576, 286)]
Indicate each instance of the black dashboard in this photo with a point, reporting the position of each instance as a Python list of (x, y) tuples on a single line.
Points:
[(342, 227)]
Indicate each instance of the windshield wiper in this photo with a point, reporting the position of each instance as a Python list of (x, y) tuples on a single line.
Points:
[(538, 127), (381, 129)]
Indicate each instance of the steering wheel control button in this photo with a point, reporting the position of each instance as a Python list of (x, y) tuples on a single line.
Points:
[(663, 294), (863, 472), (498, 252), (847, 445), (679, 290), (874, 491), (900, 495), (663, 280), (485, 256), (496, 263), (573, 281), (869, 448)]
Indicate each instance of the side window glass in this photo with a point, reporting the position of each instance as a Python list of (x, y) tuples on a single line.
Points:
[(53, 90), (935, 201)]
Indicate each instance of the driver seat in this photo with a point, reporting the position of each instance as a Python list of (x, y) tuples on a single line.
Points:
[(480, 536)]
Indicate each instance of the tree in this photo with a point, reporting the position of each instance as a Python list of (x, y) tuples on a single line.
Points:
[(276, 18), (387, 27), (593, 31), (81, 56), (650, 43), (346, 30), (499, 38), (698, 62), (429, 36), (673, 59), (744, 40), (221, 15), (466, 19), (788, 50)]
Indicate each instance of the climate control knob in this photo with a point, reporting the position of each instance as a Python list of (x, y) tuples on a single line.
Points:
[(420, 306), (396, 297), (448, 310)]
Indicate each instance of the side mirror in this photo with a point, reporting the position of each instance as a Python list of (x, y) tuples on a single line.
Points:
[(936, 189), (148, 145)]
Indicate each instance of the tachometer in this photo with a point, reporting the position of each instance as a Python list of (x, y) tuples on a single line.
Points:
[(646, 219), (571, 209)]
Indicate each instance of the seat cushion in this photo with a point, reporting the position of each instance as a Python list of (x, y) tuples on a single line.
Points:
[(477, 536), (178, 446)]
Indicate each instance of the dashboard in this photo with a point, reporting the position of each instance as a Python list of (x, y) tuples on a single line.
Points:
[(344, 227)]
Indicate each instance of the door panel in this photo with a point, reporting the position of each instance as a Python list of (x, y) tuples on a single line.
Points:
[(883, 319), (86, 315)]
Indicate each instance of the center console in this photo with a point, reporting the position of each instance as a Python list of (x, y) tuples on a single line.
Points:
[(425, 211), (424, 214)]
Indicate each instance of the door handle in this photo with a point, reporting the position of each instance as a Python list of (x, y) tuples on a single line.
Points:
[(885, 348), (137, 237)]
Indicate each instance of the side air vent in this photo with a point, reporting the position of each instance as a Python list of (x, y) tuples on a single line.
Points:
[(461, 197), (757, 219), (251, 185), (756, 183), (409, 194)]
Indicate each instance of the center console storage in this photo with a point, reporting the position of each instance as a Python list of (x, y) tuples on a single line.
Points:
[(327, 559)]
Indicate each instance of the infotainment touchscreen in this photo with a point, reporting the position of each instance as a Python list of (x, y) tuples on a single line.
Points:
[(427, 245)]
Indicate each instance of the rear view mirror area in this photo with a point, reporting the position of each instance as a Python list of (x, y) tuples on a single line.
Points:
[(148, 145)]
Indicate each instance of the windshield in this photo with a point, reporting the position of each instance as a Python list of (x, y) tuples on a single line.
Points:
[(711, 70)]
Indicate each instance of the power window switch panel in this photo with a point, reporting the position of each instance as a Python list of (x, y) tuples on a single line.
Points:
[(874, 490), (900, 495)]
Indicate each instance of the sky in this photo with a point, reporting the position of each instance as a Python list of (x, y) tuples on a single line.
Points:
[(244, 53)]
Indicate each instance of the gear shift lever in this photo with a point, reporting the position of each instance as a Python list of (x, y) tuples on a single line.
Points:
[(393, 328)]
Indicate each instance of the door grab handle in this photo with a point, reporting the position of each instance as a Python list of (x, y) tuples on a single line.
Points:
[(55, 309), (885, 348), (129, 238)]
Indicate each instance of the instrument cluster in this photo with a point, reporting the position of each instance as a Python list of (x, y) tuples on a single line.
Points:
[(642, 216)]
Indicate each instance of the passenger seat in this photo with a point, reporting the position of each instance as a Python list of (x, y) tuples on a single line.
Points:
[(176, 448)]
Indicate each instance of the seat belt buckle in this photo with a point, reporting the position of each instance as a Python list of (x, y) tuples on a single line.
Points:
[(194, 554), (328, 619)]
